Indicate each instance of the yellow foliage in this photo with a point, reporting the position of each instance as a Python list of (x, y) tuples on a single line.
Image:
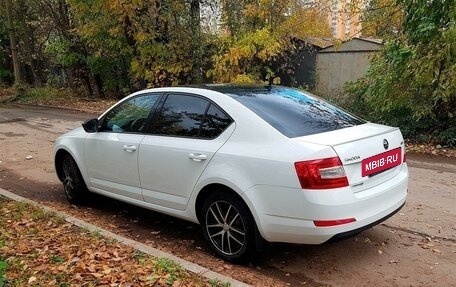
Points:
[(244, 57), (244, 79)]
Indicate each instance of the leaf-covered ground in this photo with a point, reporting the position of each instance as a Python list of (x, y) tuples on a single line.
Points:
[(431, 149), (38, 248), (54, 97)]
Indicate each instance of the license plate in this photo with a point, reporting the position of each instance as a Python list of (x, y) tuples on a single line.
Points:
[(381, 161)]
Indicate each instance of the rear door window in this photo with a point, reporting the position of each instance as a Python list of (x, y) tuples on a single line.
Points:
[(190, 116)]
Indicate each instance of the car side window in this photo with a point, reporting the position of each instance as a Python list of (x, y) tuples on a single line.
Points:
[(130, 116), (190, 116), (215, 122), (181, 115)]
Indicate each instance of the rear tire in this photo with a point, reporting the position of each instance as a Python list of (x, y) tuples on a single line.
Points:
[(228, 226), (73, 184)]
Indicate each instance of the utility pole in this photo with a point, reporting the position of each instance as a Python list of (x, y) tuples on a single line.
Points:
[(13, 43)]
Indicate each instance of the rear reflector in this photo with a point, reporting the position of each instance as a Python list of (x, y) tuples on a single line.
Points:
[(321, 173), (326, 223)]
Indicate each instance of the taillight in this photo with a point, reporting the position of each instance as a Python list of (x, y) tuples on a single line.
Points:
[(321, 173)]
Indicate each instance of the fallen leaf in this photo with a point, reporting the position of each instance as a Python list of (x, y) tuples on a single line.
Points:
[(97, 275)]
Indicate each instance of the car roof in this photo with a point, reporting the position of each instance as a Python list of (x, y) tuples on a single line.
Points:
[(227, 90), (239, 88)]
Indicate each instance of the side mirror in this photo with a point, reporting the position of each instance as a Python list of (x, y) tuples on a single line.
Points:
[(90, 126)]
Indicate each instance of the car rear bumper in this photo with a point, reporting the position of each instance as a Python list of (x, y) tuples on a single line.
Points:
[(287, 215), (361, 229)]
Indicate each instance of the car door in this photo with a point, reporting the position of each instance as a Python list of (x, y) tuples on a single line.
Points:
[(111, 154), (187, 131)]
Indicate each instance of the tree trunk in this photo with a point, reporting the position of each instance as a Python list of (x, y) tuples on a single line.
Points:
[(195, 15), (93, 82), (27, 36), (36, 77), (87, 86), (13, 43)]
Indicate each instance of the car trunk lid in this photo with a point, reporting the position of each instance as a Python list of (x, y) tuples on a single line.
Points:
[(370, 153)]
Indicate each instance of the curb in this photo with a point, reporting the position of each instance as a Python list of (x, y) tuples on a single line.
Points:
[(189, 266)]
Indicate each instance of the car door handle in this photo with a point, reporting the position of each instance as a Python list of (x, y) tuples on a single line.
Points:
[(197, 156), (129, 148)]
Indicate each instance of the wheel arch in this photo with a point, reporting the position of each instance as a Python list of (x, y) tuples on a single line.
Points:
[(206, 191), (218, 187), (260, 244), (58, 159)]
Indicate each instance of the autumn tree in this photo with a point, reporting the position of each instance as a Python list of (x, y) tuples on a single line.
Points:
[(255, 32), (411, 84), (154, 43), (117, 46), (381, 18)]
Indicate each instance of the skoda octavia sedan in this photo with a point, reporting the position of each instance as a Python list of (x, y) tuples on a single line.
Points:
[(251, 164)]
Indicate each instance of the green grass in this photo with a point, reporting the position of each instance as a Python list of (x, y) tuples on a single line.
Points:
[(96, 234), (56, 259), (41, 214), (111, 241), (170, 267), (218, 283), (3, 269), (139, 256), (19, 209)]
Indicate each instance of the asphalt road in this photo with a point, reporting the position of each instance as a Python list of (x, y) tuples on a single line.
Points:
[(416, 247)]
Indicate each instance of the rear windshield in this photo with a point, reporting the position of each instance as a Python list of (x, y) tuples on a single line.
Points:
[(293, 112)]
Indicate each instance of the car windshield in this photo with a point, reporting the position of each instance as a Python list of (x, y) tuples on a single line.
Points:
[(292, 112)]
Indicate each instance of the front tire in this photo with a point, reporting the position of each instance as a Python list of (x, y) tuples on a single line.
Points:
[(73, 184), (228, 226)]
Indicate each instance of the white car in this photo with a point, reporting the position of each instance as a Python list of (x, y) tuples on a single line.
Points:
[(249, 163)]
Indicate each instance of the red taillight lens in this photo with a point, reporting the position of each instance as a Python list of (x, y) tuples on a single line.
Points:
[(321, 173), (325, 223)]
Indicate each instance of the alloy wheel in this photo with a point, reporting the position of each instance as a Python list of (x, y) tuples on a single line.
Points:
[(67, 178), (225, 227)]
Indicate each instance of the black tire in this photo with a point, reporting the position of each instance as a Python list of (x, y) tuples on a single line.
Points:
[(228, 226), (73, 184)]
